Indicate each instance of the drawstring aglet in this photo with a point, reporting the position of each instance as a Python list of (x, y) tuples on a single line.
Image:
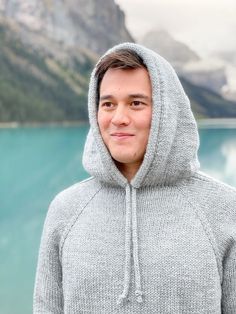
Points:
[(121, 299), (139, 297)]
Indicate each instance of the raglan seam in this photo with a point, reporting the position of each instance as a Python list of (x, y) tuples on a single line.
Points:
[(233, 190), (209, 233), (72, 222)]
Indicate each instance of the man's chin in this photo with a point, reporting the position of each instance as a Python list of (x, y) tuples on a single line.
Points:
[(126, 161)]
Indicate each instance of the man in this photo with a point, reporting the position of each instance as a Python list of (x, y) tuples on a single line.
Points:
[(148, 232)]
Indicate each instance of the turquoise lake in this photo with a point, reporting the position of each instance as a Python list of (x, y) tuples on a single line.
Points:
[(37, 163)]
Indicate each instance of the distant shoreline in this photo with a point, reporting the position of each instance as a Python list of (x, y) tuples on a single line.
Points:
[(202, 123), (14, 125), (226, 123)]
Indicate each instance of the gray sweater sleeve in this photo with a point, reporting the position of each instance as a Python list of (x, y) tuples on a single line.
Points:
[(48, 295), (229, 265), (63, 211), (217, 201)]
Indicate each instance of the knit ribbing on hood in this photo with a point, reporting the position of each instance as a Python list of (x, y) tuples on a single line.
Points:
[(171, 152)]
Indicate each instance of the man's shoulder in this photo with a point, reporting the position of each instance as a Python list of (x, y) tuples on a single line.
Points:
[(78, 191), (73, 199), (214, 185), (212, 194)]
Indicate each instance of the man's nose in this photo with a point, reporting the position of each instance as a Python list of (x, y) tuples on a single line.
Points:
[(121, 115)]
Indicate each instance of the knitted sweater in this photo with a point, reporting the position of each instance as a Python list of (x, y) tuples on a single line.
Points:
[(163, 243)]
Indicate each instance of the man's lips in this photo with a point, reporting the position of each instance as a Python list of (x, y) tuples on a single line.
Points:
[(121, 135)]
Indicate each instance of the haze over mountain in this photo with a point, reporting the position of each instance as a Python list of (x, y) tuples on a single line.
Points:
[(205, 26), (174, 51), (217, 72)]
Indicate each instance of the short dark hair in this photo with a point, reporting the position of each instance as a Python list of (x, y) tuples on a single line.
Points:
[(120, 59)]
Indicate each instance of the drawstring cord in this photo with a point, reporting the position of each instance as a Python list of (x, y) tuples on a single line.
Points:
[(131, 232), (138, 291), (125, 292)]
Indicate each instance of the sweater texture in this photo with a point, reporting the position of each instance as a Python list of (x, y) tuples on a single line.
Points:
[(163, 243)]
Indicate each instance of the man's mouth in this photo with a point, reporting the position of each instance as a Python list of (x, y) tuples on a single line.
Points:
[(121, 135)]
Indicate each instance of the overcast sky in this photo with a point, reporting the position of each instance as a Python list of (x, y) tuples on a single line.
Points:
[(205, 25)]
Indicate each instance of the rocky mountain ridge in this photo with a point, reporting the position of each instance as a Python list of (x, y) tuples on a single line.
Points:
[(39, 88), (72, 23), (44, 73)]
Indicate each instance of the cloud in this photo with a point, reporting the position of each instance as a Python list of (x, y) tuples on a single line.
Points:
[(229, 152), (204, 25)]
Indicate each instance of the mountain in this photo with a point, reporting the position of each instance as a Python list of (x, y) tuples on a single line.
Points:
[(208, 104), (47, 51), (208, 72), (216, 72), (176, 52), (95, 24), (38, 88)]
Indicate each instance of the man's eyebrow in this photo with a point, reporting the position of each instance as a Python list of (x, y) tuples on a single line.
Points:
[(142, 96), (104, 97)]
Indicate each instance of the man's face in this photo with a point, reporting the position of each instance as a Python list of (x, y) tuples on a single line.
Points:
[(124, 114)]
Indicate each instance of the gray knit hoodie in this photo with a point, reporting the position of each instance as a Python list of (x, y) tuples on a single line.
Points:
[(163, 243)]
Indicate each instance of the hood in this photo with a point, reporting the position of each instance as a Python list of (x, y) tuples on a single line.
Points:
[(171, 152)]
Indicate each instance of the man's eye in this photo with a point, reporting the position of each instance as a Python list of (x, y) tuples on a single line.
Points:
[(136, 103), (107, 104)]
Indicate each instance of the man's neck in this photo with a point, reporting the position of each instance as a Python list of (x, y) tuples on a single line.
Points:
[(128, 170)]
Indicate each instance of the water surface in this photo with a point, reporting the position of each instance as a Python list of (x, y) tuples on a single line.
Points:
[(37, 163)]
